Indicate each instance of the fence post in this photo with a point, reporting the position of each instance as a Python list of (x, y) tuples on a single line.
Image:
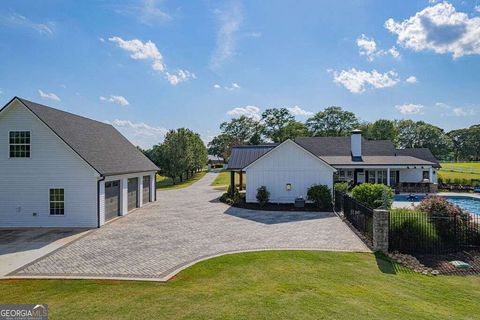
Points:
[(380, 230)]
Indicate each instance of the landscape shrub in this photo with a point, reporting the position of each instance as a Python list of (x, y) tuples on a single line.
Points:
[(237, 197), (440, 180), (447, 217), (341, 187), (263, 195), (374, 195), (320, 195), (411, 228)]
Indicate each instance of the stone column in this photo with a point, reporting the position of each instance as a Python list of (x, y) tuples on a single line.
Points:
[(380, 230)]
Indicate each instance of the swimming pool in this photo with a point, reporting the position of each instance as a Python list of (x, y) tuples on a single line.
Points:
[(466, 203)]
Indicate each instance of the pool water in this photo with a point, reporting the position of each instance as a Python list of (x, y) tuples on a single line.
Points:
[(466, 203)]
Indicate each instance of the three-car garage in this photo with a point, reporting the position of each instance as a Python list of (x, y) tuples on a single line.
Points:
[(125, 193)]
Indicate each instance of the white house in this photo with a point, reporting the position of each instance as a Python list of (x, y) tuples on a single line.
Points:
[(58, 169), (290, 168)]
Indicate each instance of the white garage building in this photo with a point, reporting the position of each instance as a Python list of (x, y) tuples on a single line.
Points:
[(58, 169)]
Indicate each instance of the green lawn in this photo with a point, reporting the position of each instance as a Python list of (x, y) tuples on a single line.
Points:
[(263, 285), (450, 170), (222, 181), (166, 183)]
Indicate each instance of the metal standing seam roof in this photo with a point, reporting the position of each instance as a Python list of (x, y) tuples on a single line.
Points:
[(337, 151), (98, 143)]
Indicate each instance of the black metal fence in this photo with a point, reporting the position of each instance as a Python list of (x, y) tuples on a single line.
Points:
[(415, 232), (359, 215)]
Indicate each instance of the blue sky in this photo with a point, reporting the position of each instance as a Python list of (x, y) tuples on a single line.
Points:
[(148, 66)]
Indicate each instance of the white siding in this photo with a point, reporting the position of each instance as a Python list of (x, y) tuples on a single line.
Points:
[(25, 182), (415, 175), (288, 163)]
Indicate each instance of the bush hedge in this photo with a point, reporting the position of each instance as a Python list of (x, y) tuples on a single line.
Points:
[(374, 195), (263, 196), (341, 187), (320, 195)]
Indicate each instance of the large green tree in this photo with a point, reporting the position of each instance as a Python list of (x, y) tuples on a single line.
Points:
[(244, 129), (382, 129), (275, 120), (333, 121)]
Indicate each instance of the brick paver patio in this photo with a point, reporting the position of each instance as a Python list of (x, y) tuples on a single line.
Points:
[(185, 226)]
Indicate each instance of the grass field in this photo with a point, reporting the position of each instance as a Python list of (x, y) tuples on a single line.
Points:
[(166, 183), (263, 285), (222, 181), (452, 172)]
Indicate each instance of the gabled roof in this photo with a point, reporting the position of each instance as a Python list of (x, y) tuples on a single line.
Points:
[(420, 153), (99, 144), (242, 156), (336, 151)]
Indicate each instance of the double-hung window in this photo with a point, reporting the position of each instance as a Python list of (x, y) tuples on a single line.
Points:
[(57, 202), (19, 142)]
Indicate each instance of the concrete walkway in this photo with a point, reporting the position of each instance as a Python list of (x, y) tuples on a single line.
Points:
[(185, 226)]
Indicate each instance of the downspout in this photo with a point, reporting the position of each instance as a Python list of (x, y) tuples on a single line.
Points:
[(102, 178)]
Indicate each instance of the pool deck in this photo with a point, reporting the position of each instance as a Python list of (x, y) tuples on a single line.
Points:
[(411, 205)]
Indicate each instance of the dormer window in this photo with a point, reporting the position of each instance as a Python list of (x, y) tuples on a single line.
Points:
[(19, 144)]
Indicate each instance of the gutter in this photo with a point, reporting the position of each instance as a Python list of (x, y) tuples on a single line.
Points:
[(98, 199)]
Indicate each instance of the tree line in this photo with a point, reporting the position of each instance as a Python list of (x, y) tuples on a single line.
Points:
[(181, 154), (278, 124)]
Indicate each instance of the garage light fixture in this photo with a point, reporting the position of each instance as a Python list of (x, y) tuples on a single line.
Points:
[(289, 186)]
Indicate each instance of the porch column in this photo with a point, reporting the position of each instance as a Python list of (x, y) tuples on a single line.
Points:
[(388, 176), (241, 180), (232, 183), (430, 175)]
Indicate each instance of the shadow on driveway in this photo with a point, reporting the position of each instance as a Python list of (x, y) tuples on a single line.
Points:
[(275, 217)]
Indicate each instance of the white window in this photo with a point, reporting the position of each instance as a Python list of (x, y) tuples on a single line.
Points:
[(19, 144), (57, 202)]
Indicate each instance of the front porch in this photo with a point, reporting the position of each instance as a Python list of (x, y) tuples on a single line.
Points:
[(407, 179)]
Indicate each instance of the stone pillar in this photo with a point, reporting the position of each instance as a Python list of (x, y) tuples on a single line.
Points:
[(380, 230)]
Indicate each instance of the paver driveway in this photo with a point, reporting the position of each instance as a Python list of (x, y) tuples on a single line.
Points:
[(185, 226)]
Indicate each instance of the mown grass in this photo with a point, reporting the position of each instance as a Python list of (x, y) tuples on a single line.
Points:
[(166, 183), (222, 181), (263, 285), (469, 178)]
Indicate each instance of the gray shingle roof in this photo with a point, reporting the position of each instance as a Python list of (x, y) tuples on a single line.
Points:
[(337, 151), (98, 143), (420, 153)]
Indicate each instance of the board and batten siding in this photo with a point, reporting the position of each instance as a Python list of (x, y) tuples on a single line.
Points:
[(287, 163), (25, 182)]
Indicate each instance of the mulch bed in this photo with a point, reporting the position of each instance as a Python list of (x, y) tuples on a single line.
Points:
[(282, 207), (443, 265)]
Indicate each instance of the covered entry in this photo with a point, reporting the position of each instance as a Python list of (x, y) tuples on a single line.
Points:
[(132, 193), (146, 189), (112, 199)]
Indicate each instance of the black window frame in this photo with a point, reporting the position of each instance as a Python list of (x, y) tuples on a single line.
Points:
[(19, 143), (56, 201)]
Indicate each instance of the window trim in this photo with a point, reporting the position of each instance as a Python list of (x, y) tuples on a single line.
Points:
[(20, 144), (55, 201)]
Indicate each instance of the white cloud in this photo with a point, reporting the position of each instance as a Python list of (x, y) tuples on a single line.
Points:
[(233, 87), (140, 134), (410, 108), (368, 47), (17, 20), (101, 39), (455, 111), (229, 21), (411, 79), (459, 112), (179, 76), (149, 51), (121, 100), (49, 96), (477, 8), (439, 28), (357, 81), (249, 111), (297, 111), (217, 86), (147, 12)]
